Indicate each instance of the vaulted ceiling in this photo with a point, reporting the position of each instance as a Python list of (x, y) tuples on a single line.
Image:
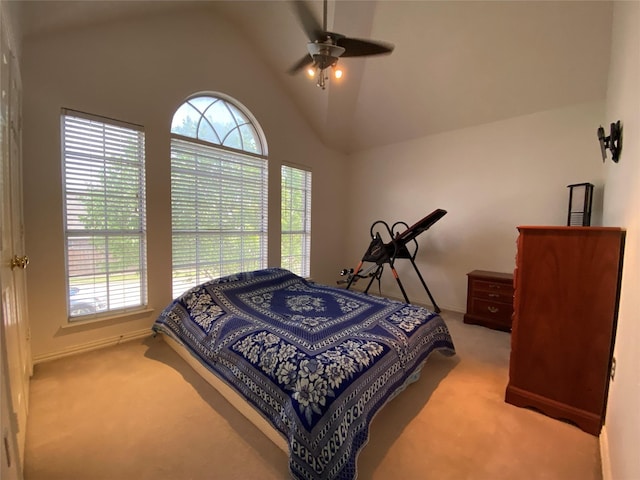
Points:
[(456, 64)]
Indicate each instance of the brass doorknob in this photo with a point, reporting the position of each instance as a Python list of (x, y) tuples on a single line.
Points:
[(21, 262)]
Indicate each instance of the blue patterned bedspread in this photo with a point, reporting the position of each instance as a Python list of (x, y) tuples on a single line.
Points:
[(318, 362)]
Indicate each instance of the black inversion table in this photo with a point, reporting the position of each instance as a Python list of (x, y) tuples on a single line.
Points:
[(380, 253)]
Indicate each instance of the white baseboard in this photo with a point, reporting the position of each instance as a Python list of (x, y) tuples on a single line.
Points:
[(604, 454), (89, 346)]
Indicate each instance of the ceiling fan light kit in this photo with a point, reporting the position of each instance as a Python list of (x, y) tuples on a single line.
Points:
[(324, 55), (325, 48), (324, 52)]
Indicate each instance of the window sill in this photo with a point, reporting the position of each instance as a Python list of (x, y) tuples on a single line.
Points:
[(105, 320)]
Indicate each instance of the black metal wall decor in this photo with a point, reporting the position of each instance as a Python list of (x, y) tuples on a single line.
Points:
[(580, 199), (613, 142)]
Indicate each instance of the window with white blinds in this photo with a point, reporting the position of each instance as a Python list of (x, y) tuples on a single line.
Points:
[(295, 254), (104, 214), (218, 192)]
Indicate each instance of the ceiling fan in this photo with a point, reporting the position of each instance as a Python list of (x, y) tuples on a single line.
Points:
[(325, 48)]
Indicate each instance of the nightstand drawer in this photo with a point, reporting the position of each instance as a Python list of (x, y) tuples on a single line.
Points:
[(503, 297), (494, 310), (487, 286)]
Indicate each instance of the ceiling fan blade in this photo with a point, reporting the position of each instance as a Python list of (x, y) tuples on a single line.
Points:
[(309, 22), (360, 48), (300, 64)]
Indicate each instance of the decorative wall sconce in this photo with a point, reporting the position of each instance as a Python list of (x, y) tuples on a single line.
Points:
[(613, 142)]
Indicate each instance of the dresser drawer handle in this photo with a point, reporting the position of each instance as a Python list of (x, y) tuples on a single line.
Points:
[(493, 309), (494, 295), (493, 285)]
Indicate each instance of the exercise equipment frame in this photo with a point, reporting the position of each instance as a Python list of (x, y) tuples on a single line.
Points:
[(381, 253)]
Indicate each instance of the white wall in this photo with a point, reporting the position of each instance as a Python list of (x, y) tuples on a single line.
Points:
[(489, 178), (140, 71), (622, 208)]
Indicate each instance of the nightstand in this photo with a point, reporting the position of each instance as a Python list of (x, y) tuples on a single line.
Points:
[(490, 299)]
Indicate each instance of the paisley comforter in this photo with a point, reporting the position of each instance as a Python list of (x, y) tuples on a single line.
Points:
[(318, 362)]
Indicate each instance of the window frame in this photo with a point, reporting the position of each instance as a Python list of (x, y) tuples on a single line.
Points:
[(92, 148), (286, 261)]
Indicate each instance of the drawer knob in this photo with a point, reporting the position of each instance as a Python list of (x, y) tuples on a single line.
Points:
[(493, 309), (494, 295)]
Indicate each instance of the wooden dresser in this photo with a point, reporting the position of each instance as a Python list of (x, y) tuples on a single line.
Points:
[(489, 299), (567, 283)]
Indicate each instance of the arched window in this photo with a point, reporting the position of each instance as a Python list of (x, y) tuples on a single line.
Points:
[(218, 191), (219, 121)]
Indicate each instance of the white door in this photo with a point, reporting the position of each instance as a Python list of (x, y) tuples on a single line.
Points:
[(10, 468), (14, 330)]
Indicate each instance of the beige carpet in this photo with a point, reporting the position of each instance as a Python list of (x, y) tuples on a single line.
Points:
[(137, 411)]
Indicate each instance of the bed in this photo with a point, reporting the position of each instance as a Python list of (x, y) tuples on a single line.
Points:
[(313, 364)]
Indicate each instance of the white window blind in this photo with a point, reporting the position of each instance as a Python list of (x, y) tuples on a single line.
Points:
[(218, 212), (295, 252), (104, 214)]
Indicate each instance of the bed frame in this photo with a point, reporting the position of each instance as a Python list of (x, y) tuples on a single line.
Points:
[(230, 395), (242, 406)]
